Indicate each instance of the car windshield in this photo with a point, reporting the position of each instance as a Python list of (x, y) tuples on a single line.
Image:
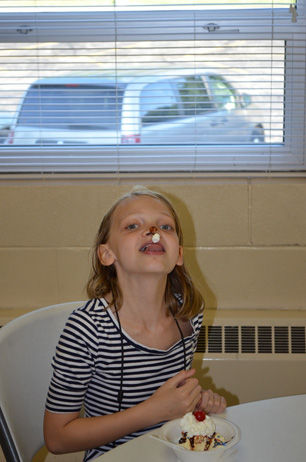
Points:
[(72, 106)]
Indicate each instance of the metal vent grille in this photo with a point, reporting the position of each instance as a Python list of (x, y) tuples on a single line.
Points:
[(252, 339)]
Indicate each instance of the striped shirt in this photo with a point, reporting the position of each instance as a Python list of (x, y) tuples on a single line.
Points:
[(87, 366)]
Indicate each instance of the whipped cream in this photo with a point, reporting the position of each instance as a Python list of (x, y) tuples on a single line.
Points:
[(155, 238), (191, 425)]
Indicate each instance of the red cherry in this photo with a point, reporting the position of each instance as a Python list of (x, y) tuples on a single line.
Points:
[(200, 416)]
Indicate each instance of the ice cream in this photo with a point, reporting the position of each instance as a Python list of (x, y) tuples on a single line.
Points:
[(199, 432), (155, 238)]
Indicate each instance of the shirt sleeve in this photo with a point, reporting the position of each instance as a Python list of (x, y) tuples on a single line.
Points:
[(73, 364)]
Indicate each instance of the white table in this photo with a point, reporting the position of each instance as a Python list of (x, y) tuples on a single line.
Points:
[(272, 430)]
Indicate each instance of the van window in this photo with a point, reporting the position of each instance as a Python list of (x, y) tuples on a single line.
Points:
[(224, 95), (158, 103), (72, 106), (194, 95)]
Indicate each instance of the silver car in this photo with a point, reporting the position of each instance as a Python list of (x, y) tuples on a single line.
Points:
[(163, 109)]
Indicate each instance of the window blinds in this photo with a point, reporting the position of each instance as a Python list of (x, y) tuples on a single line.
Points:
[(155, 86)]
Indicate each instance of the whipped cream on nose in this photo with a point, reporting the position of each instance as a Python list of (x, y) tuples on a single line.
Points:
[(155, 235), (155, 238)]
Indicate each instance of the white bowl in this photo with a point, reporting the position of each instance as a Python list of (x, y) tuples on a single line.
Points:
[(170, 433)]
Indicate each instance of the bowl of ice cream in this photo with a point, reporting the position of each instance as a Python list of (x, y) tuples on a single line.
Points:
[(207, 440)]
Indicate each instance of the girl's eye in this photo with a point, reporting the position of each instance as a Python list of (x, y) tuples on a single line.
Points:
[(132, 226), (166, 227)]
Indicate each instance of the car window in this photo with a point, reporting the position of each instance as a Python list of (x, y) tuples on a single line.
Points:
[(158, 103), (194, 95), (223, 95), (71, 106)]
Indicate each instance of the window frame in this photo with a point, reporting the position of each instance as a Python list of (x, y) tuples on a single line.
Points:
[(289, 156)]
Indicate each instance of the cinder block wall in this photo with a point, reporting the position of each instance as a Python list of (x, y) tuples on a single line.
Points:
[(245, 242), (245, 239)]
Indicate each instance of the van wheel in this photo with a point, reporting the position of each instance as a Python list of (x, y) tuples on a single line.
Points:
[(258, 135)]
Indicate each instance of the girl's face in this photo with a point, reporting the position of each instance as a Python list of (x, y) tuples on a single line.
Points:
[(130, 245)]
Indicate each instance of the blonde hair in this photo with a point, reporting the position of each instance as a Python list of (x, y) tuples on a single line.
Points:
[(181, 295)]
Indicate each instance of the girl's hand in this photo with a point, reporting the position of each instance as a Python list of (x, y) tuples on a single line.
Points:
[(211, 402), (177, 396)]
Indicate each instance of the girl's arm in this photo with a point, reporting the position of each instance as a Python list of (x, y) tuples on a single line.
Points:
[(70, 432)]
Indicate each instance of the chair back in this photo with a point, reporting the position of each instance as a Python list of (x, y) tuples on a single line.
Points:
[(27, 345)]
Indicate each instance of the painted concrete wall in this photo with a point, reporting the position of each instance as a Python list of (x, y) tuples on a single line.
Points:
[(245, 239)]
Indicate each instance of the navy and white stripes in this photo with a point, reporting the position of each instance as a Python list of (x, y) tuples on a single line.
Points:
[(87, 366)]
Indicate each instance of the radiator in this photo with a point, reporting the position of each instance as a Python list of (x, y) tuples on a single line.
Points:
[(248, 355), (252, 355)]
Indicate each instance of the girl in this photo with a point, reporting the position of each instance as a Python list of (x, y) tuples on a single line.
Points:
[(126, 355)]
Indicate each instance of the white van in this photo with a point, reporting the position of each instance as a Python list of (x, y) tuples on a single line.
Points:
[(152, 109)]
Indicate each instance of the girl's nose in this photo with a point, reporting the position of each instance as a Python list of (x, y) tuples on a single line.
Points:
[(155, 235), (153, 230)]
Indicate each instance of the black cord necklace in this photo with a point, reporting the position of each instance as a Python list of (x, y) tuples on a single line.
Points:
[(182, 337), (120, 393)]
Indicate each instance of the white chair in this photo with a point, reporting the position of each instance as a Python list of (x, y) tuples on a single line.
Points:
[(27, 345)]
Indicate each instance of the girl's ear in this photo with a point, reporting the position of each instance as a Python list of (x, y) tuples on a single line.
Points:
[(180, 260), (105, 255)]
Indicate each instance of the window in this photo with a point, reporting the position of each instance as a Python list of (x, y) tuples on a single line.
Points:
[(194, 95), (158, 86), (225, 97), (70, 106), (159, 104)]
